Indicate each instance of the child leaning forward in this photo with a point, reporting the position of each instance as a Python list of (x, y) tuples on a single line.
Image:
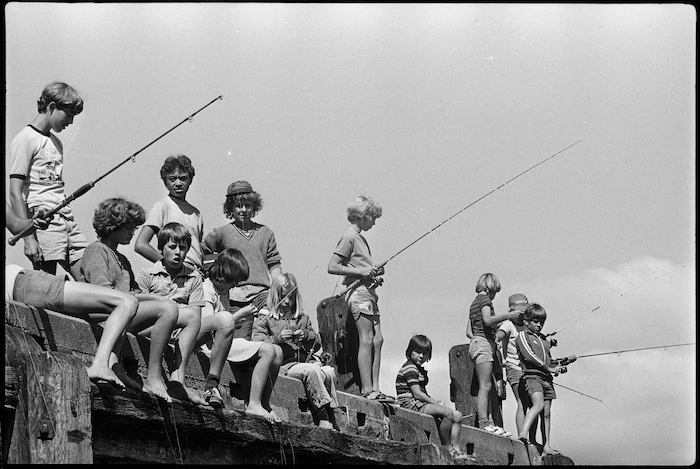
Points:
[(411, 393)]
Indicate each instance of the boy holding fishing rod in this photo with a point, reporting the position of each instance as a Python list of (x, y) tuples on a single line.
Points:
[(352, 258), (36, 180), (538, 368), (177, 174)]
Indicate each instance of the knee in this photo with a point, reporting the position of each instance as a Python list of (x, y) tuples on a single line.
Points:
[(378, 341), (457, 416), (130, 304)]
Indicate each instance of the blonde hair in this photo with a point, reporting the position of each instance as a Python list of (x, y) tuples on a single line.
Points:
[(363, 206), (275, 297), (488, 282)]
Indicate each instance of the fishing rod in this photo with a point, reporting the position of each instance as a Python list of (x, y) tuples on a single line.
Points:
[(632, 350), (377, 280), (608, 302), (82, 190)]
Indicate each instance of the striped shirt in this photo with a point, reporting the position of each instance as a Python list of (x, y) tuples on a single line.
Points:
[(534, 354), (409, 375)]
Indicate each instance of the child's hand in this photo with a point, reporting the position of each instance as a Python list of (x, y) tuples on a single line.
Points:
[(286, 334), (298, 334), (377, 271), (514, 314)]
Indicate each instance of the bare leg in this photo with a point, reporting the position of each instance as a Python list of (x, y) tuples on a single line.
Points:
[(547, 422), (483, 373), (97, 301), (190, 319), (365, 332), (267, 355), (223, 324), (377, 343), (519, 412), (532, 413), (164, 314)]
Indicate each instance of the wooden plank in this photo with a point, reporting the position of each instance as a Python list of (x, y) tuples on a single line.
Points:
[(339, 338), (58, 410), (119, 414)]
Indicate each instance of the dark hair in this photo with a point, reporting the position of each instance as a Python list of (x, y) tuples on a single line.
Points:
[(175, 162), (65, 96), (535, 311), (114, 213), (252, 198), (229, 267), (420, 343), (175, 231)]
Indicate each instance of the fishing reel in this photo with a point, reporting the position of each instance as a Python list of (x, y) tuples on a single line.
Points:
[(553, 342), (375, 282)]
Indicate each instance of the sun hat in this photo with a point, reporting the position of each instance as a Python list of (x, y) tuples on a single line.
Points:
[(518, 301), (239, 187)]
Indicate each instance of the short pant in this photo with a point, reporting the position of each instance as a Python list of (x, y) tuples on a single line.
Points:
[(362, 301), (480, 350), (513, 376), (39, 289), (412, 404), (535, 384), (61, 240)]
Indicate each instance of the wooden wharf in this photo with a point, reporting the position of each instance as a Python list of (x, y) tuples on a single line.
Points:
[(54, 414)]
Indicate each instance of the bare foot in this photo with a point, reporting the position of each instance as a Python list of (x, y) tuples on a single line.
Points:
[(548, 450), (260, 412), (325, 424), (157, 388), (274, 416), (96, 373), (179, 391)]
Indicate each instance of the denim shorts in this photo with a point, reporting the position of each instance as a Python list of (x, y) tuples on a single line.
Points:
[(480, 350), (535, 384), (361, 301), (39, 289)]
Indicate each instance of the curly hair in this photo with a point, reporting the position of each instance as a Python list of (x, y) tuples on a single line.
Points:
[(65, 96), (114, 213), (252, 198), (363, 206), (175, 162)]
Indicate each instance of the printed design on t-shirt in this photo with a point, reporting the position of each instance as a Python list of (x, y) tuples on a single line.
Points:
[(50, 171)]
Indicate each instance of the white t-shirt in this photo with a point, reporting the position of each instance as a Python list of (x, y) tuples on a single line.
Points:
[(168, 210), (512, 358)]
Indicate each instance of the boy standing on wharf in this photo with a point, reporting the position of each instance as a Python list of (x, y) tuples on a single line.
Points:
[(353, 259), (36, 180), (537, 368), (177, 174)]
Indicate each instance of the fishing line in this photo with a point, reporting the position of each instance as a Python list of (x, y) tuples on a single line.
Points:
[(608, 302), (632, 350), (86, 187), (579, 392), (356, 282)]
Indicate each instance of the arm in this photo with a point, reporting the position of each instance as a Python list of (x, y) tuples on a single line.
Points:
[(495, 319), (275, 270), (470, 332), (261, 332), (502, 337), (31, 246), (338, 266), (143, 244)]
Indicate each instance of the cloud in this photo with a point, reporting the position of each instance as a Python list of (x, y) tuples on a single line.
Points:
[(648, 414)]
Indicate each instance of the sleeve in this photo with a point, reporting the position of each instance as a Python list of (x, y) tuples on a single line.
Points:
[(210, 299), (95, 268), (344, 248), (143, 280), (309, 332), (21, 154), (156, 217), (197, 293), (261, 332), (273, 256), (212, 240)]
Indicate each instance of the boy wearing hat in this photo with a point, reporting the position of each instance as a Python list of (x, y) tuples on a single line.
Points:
[(257, 244), (505, 336), (177, 174)]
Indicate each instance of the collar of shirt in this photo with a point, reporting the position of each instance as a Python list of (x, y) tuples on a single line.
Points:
[(158, 268)]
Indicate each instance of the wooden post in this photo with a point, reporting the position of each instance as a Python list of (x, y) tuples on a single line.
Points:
[(339, 338), (58, 409), (464, 386)]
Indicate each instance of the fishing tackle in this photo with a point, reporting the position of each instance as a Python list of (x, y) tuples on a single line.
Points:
[(579, 392), (357, 282), (606, 303), (86, 187)]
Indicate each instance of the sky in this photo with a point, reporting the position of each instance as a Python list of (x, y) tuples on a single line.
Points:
[(426, 108)]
